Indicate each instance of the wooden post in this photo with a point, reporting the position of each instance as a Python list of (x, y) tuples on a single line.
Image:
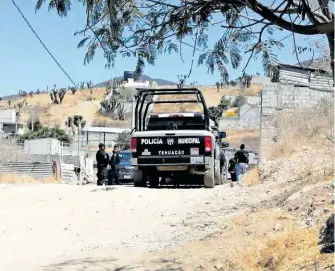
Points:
[(57, 170)]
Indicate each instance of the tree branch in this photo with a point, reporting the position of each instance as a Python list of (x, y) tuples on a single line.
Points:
[(321, 28)]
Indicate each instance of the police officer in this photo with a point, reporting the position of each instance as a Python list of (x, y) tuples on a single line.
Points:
[(102, 163), (115, 166)]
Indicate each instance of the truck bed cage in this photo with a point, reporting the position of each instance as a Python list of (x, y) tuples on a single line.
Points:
[(146, 96)]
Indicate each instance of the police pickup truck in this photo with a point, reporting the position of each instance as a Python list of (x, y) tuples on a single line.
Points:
[(178, 146)]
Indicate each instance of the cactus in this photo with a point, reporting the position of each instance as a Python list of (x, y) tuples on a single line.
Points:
[(110, 105), (121, 111), (20, 105), (73, 90), (61, 94)]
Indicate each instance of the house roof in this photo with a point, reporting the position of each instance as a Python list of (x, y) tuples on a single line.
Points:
[(308, 65), (107, 130)]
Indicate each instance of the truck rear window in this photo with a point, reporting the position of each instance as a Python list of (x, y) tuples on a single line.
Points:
[(180, 123)]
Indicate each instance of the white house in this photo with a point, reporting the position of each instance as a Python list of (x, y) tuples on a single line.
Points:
[(132, 83), (8, 122), (8, 116)]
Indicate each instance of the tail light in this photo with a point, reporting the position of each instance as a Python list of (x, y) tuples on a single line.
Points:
[(133, 144), (208, 144)]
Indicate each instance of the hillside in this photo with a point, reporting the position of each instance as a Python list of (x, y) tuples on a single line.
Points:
[(160, 82), (51, 114)]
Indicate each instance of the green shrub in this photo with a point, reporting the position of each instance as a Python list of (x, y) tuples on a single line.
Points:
[(224, 103), (46, 132)]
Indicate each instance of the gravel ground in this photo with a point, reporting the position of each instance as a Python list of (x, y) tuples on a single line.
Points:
[(45, 227)]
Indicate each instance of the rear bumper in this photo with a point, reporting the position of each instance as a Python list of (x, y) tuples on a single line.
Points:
[(154, 161)]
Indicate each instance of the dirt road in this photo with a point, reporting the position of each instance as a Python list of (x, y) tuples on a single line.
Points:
[(63, 227)]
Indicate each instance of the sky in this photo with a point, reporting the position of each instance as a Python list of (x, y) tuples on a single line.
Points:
[(26, 65)]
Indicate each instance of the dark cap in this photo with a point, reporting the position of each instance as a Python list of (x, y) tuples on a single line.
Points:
[(101, 145)]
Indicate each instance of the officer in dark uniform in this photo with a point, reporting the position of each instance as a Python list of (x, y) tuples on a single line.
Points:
[(115, 166), (102, 163)]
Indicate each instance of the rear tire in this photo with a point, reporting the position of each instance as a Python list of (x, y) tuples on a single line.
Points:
[(139, 181), (217, 176), (224, 175), (209, 181)]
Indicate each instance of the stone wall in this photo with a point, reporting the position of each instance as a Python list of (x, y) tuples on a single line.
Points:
[(276, 98)]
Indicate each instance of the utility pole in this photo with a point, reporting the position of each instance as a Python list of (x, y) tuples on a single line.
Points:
[(112, 81), (79, 123), (32, 120)]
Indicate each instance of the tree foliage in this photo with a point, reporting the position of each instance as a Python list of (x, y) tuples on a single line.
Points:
[(123, 140), (37, 125), (215, 113), (145, 29), (46, 132), (239, 101), (224, 103)]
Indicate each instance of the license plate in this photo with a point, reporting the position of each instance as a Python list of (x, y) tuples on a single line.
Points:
[(194, 151), (127, 176), (197, 160)]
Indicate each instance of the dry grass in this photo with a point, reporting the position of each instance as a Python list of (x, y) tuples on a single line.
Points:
[(211, 95), (251, 91), (20, 179), (108, 121), (307, 127), (242, 135), (288, 251), (177, 107), (251, 242), (10, 152), (251, 177), (212, 91), (51, 114)]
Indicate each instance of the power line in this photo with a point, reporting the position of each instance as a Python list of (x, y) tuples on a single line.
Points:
[(55, 60)]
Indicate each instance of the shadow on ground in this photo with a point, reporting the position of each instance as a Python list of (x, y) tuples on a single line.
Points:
[(111, 264)]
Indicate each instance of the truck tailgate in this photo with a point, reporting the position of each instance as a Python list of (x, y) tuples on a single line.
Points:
[(170, 150)]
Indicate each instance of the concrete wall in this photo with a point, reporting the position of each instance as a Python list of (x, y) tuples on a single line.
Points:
[(255, 100), (260, 80), (228, 123), (42, 146), (277, 97), (8, 116), (250, 116)]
